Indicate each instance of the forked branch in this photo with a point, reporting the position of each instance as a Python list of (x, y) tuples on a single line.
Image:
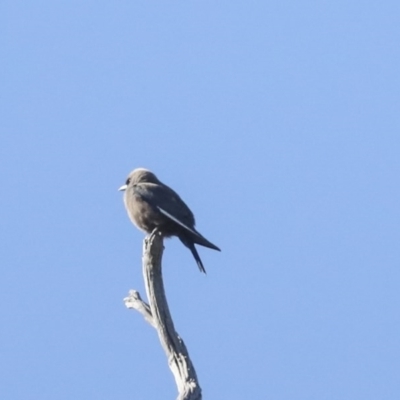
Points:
[(157, 315)]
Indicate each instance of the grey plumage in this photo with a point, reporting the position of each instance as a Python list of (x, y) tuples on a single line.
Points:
[(152, 204)]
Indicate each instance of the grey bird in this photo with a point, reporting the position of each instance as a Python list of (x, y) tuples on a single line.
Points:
[(152, 204)]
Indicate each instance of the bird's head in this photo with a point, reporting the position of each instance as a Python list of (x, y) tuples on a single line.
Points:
[(139, 175)]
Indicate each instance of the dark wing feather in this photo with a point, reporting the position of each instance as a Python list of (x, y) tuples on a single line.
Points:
[(167, 202)]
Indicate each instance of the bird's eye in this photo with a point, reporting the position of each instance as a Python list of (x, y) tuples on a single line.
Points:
[(128, 181)]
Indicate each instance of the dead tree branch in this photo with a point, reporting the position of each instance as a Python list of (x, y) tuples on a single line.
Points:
[(157, 315)]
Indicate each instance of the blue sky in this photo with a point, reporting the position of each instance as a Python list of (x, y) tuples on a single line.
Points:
[(277, 122)]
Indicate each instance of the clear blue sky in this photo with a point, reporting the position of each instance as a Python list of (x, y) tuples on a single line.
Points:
[(277, 122)]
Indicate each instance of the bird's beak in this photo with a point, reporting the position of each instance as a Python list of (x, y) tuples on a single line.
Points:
[(122, 188)]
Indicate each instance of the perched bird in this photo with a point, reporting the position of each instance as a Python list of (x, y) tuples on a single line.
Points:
[(152, 204)]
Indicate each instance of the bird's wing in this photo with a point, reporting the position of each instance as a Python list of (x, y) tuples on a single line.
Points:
[(167, 214), (168, 203)]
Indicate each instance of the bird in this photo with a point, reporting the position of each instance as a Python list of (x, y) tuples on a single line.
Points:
[(153, 205)]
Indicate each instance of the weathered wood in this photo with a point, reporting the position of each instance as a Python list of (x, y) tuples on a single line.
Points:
[(158, 315)]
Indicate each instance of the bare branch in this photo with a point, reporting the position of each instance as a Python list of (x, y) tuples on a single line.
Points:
[(135, 302), (158, 315)]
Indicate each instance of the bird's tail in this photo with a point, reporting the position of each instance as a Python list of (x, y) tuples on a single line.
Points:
[(190, 245)]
